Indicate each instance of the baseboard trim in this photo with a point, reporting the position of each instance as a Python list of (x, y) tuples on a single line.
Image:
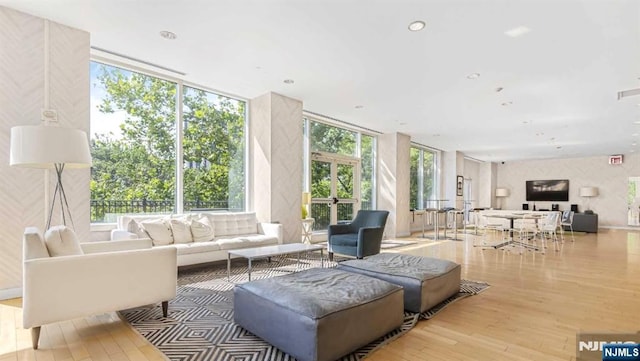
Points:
[(9, 293), (628, 228)]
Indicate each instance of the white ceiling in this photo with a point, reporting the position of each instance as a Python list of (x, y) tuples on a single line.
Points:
[(561, 78)]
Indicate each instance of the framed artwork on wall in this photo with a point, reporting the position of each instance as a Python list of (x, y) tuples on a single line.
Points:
[(459, 182)]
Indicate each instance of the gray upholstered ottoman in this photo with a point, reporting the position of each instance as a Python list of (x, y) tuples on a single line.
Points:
[(426, 281), (318, 314)]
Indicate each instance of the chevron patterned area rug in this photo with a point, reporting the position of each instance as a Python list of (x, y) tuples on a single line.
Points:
[(200, 324)]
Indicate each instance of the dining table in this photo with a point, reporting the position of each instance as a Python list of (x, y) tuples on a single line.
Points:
[(512, 217)]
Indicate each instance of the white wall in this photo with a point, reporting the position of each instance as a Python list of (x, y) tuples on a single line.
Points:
[(26, 43), (472, 174), (611, 180), (452, 167)]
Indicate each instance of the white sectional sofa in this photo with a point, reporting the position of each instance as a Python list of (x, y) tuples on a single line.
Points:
[(201, 237)]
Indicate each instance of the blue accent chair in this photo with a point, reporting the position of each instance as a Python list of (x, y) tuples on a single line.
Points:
[(361, 237)]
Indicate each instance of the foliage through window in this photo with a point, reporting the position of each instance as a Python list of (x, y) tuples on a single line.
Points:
[(367, 156), (213, 151), (422, 178), (326, 138), (133, 144), (342, 144)]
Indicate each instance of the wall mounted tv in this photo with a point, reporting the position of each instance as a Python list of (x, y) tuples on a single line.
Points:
[(548, 190)]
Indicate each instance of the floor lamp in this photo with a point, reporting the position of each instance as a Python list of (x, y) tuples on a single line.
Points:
[(50, 147)]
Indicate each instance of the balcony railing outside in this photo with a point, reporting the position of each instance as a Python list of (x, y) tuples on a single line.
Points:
[(321, 212), (108, 210)]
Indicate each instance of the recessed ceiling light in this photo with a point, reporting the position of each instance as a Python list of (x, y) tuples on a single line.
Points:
[(632, 150), (359, 106), (634, 134), (634, 144), (417, 25), (636, 122), (517, 31), (288, 81), (168, 35), (473, 76)]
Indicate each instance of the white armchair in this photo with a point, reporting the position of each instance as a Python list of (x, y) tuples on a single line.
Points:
[(109, 276)]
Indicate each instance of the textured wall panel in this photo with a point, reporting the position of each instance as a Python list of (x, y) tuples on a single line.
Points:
[(403, 175), (69, 95), (22, 74), (393, 182), (21, 98), (276, 161), (286, 161), (260, 156), (611, 180)]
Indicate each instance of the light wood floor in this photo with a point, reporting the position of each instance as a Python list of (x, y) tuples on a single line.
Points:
[(532, 311)]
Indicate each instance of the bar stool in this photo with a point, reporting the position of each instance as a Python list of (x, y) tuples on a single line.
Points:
[(454, 214), (421, 213), (432, 214)]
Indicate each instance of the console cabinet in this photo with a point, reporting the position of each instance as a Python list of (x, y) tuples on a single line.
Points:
[(583, 222)]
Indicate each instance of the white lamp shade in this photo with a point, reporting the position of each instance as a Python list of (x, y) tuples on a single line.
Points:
[(502, 192), (588, 191), (38, 146)]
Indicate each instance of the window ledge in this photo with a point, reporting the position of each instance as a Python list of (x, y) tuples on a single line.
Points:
[(102, 227)]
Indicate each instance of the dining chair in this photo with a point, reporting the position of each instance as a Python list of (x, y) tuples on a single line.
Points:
[(547, 227), (527, 230), (567, 221), (490, 225)]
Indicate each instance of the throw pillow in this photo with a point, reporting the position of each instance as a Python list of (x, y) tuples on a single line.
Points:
[(34, 246), (181, 228), (62, 241), (159, 231), (136, 228), (201, 229)]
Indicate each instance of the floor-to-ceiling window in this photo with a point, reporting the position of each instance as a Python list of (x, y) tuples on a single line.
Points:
[(422, 180), (149, 149), (367, 171), (213, 151)]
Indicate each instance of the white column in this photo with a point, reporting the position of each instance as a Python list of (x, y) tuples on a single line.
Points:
[(275, 162), (393, 182)]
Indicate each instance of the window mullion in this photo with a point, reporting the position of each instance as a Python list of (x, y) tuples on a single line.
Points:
[(421, 200), (179, 205)]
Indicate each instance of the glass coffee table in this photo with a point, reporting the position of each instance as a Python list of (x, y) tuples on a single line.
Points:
[(269, 251)]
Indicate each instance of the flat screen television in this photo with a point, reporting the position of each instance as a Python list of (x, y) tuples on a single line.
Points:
[(556, 190)]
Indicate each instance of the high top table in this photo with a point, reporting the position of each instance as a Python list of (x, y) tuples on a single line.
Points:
[(435, 213)]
